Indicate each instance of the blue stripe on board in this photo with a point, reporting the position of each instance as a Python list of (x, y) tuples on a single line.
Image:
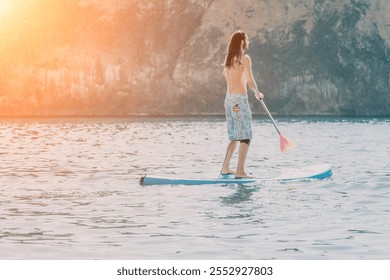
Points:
[(315, 172)]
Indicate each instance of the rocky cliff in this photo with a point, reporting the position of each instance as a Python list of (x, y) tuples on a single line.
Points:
[(310, 57)]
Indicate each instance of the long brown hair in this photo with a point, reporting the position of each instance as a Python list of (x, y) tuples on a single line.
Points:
[(233, 57)]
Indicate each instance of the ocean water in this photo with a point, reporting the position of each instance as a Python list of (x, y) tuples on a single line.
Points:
[(69, 190)]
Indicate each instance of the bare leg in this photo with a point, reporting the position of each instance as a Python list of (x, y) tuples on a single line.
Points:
[(229, 154), (244, 147)]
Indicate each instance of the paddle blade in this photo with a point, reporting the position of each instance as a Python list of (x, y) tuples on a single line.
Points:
[(285, 144)]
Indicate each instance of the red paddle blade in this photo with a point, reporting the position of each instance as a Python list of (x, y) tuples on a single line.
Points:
[(285, 144)]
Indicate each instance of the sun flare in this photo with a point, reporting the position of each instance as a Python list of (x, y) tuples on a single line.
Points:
[(5, 6)]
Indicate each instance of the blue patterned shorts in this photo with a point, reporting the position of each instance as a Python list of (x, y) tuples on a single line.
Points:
[(238, 117)]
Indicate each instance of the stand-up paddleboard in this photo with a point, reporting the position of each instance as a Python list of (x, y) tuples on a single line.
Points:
[(294, 174)]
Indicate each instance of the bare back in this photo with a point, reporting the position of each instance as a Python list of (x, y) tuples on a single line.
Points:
[(237, 77)]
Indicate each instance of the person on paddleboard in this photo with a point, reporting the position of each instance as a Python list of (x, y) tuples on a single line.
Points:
[(238, 74)]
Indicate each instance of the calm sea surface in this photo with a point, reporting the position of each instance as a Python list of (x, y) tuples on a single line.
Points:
[(69, 190)]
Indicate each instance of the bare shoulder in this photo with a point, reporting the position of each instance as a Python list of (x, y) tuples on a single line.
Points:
[(247, 59)]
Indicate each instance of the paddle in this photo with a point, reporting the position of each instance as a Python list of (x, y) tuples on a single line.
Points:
[(285, 143)]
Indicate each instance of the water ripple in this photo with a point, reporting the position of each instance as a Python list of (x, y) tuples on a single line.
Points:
[(69, 190)]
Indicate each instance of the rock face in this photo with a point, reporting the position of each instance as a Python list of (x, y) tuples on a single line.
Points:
[(310, 57)]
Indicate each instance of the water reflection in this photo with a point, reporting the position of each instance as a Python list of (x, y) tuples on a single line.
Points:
[(69, 189), (242, 193)]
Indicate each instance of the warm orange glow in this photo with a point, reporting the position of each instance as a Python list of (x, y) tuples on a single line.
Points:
[(5, 7), (67, 57)]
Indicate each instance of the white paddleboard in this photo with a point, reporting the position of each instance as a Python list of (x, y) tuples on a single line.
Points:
[(319, 172)]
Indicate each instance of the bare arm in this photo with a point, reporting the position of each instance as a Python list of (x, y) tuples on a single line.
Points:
[(249, 76)]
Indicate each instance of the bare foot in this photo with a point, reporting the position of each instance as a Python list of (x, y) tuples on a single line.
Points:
[(244, 176)]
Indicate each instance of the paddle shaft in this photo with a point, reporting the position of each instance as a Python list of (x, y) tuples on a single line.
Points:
[(269, 114)]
